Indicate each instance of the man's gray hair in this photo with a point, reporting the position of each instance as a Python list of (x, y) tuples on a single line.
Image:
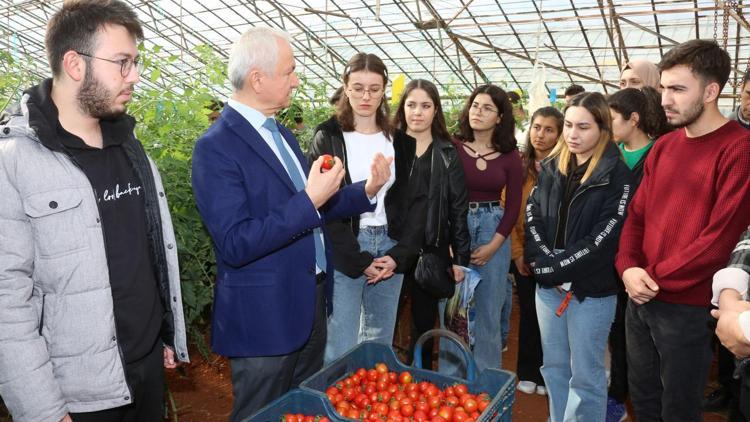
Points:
[(258, 49)]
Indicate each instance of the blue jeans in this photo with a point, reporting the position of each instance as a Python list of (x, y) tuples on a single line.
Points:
[(505, 312), (362, 311), (573, 347), (489, 296)]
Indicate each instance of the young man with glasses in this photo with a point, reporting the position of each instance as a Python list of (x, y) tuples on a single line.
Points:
[(90, 303)]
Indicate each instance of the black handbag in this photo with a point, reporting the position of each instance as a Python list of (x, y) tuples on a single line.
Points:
[(434, 275)]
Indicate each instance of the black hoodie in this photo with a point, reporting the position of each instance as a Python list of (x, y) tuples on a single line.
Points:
[(121, 199)]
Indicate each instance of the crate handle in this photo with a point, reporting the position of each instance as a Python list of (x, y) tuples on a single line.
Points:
[(471, 365)]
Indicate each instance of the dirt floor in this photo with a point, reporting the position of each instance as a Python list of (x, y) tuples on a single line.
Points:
[(203, 392)]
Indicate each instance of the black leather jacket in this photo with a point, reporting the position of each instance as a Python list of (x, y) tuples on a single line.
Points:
[(447, 205), (348, 258)]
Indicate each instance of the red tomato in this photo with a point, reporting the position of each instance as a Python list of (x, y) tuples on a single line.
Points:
[(352, 414), (482, 404), (452, 401), (470, 405), (432, 391), (362, 372), (392, 388), (394, 414), (348, 393), (392, 377), (423, 386), (433, 413), (420, 416), (370, 388), (381, 368), (433, 402), (308, 419), (324, 419), (394, 404), (422, 405), (372, 375), (407, 410), (381, 409), (460, 417), (405, 378), (299, 417), (439, 418), (449, 391), (446, 413), (460, 389), (328, 162), (289, 418)]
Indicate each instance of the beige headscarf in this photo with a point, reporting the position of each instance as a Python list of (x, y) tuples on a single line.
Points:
[(646, 70)]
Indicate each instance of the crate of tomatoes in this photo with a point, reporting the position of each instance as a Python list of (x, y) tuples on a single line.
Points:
[(370, 383), (297, 406)]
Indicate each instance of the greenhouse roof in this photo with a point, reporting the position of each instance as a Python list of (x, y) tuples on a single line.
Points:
[(456, 43)]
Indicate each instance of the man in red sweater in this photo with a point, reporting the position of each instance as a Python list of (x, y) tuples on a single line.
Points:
[(689, 211)]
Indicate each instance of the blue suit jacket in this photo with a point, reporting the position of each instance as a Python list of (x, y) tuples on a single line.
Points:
[(262, 228)]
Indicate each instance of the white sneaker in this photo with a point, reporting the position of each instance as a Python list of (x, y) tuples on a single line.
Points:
[(527, 387), (541, 390)]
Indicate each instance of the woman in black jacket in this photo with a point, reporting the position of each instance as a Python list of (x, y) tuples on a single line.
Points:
[(365, 294), (575, 214), (430, 204)]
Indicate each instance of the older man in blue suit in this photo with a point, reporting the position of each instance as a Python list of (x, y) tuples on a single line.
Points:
[(265, 210)]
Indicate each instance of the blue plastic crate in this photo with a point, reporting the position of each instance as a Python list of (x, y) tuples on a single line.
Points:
[(296, 401), (499, 384)]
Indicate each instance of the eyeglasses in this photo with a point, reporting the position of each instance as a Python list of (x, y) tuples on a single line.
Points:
[(126, 65), (485, 109), (360, 91)]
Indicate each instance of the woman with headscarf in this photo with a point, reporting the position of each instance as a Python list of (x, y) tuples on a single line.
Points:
[(639, 73)]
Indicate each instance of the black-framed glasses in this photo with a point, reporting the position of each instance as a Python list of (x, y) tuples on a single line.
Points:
[(126, 65)]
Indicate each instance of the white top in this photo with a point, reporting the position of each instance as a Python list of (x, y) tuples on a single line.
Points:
[(360, 150)]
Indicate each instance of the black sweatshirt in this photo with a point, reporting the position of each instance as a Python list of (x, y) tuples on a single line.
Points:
[(120, 195)]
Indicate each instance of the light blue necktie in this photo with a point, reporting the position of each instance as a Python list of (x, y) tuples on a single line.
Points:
[(299, 184)]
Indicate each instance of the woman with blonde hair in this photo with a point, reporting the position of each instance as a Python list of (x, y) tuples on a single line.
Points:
[(574, 217)]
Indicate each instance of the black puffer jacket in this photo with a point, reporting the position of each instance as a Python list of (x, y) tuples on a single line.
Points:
[(447, 204), (595, 217)]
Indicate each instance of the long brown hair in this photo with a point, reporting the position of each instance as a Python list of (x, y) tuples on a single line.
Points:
[(596, 104), (362, 62), (503, 139), (438, 128)]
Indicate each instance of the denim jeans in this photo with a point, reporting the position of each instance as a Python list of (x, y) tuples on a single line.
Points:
[(362, 311), (505, 312), (489, 296), (573, 347), (669, 358)]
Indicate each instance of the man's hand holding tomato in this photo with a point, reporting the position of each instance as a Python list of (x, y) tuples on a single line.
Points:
[(322, 186)]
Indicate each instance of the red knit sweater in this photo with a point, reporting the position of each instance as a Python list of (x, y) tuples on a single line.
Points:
[(689, 211)]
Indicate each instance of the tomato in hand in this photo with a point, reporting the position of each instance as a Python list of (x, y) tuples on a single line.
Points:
[(328, 162)]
